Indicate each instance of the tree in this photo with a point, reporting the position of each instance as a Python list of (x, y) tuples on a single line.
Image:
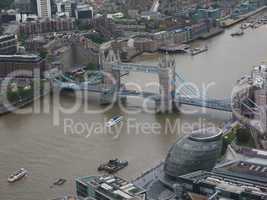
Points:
[(43, 53), (4, 4), (91, 66)]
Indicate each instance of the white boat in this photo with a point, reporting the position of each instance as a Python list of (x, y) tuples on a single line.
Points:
[(196, 51), (17, 175), (114, 120)]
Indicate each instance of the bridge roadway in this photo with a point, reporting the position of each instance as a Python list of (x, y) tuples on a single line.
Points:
[(135, 67), (223, 105)]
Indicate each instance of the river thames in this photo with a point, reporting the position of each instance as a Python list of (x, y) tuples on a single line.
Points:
[(49, 150)]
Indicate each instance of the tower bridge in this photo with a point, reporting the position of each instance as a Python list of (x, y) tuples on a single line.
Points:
[(168, 98)]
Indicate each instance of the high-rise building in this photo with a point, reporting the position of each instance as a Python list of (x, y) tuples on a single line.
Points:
[(8, 44), (66, 6), (44, 8), (26, 6)]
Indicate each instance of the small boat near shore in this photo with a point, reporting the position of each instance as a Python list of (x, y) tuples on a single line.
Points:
[(237, 33), (196, 51), (60, 181), (19, 174), (244, 26), (113, 166), (114, 121)]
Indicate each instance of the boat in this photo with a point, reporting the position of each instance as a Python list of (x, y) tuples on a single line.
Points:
[(237, 33), (60, 181), (113, 166), (19, 174), (175, 49), (114, 120), (196, 51), (67, 198), (245, 26)]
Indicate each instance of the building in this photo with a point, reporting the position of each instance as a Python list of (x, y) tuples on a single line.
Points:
[(12, 65), (26, 6), (44, 8), (66, 7), (179, 177), (197, 151), (235, 180), (250, 104), (83, 12), (8, 16), (8, 44), (35, 44), (45, 26), (108, 188), (200, 150), (145, 45)]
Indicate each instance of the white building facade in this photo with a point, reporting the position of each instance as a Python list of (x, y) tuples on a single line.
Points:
[(44, 8)]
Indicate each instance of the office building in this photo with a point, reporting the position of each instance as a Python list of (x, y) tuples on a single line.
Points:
[(235, 180), (44, 8), (12, 65), (45, 26), (26, 6), (83, 12), (8, 44), (108, 188), (66, 7)]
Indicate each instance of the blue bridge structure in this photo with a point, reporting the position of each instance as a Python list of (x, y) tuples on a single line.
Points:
[(174, 90)]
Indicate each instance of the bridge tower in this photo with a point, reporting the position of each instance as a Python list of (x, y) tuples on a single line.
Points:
[(111, 77), (167, 84)]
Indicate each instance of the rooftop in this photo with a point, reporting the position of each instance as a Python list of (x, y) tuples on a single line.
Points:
[(206, 134), (19, 58), (251, 172), (83, 7), (226, 183), (234, 176), (7, 37), (112, 187)]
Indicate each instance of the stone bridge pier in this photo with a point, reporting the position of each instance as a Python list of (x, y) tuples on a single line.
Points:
[(165, 70), (167, 89), (111, 77)]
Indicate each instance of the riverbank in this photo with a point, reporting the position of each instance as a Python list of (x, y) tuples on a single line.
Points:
[(205, 36), (230, 22), (212, 33), (70, 154), (21, 103)]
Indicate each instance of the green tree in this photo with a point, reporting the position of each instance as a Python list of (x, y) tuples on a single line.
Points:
[(22, 38), (91, 66), (4, 4), (43, 53)]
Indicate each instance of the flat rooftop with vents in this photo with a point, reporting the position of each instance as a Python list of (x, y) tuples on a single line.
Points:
[(108, 187)]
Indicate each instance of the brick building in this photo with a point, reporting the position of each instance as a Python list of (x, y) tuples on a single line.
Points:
[(15, 63), (45, 26)]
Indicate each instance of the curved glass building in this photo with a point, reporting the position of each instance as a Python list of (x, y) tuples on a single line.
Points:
[(198, 151)]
